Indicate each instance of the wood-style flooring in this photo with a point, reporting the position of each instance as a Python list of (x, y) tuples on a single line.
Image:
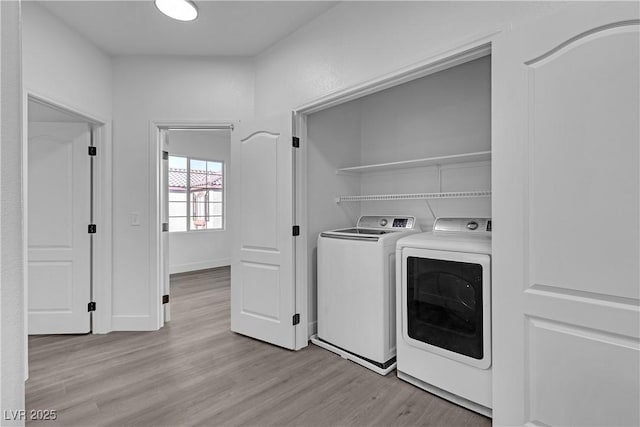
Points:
[(195, 371)]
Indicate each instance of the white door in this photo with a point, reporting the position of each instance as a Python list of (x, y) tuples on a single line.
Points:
[(566, 220), (262, 268), (58, 212)]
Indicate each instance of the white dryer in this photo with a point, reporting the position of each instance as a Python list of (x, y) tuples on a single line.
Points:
[(356, 290), (444, 311)]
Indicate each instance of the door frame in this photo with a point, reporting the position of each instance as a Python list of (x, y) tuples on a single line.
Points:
[(102, 208), (156, 260), (455, 54)]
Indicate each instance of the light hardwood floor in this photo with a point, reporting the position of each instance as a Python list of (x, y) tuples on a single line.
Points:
[(196, 372)]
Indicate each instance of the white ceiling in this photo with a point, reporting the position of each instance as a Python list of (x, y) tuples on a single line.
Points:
[(223, 28)]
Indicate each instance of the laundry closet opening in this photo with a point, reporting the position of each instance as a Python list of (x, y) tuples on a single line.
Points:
[(421, 148)]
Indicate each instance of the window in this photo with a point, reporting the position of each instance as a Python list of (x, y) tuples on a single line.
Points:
[(196, 194)]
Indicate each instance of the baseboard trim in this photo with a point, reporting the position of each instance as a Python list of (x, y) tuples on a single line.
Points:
[(202, 265)]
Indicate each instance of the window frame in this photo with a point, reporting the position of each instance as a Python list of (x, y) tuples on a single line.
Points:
[(188, 202)]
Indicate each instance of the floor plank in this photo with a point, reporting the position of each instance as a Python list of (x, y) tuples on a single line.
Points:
[(196, 372)]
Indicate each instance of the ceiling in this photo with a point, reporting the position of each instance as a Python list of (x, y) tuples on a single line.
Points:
[(223, 28)]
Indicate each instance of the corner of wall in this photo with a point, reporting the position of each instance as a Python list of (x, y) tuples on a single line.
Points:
[(12, 327)]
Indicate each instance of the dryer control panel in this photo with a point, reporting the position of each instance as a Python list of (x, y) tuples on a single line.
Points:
[(463, 224), (387, 222)]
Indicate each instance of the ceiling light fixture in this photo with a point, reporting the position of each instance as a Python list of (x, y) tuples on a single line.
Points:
[(182, 10)]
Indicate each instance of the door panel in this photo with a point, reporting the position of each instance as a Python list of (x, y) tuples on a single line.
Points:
[(261, 290), (259, 192), (566, 220), (58, 215), (54, 276), (591, 78), (560, 355), (262, 269), (50, 224)]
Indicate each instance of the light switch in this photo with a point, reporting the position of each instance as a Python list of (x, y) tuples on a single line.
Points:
[(135, 218)]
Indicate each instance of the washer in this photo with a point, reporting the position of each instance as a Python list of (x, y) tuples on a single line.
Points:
[(356, 290), (444, 311)]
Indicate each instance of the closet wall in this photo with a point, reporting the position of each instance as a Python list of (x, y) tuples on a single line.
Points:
[(439, 115), (333, 138), (446, 113)]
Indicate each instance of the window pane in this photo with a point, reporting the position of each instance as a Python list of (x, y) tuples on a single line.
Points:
[(214, 223), (196, 164), (198, 223), (215, 209), (198, 179), (215, 180), (177, 224), (177, 209), (198, 209), (176, 162), (215, 196), (214, 167), (177, 180), (197, 196), (205, 197), (177, 196), (214, 171)]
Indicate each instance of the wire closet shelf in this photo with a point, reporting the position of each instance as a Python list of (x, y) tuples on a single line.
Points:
[(414, 196)]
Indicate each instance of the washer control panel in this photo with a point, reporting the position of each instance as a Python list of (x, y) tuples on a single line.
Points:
[(463, 224), (387, 222)]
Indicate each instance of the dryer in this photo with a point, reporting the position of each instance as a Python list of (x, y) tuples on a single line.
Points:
[(356, 290), (444, 311)]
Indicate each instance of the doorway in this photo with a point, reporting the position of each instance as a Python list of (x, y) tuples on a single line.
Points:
[(62, 192), (193, 223)]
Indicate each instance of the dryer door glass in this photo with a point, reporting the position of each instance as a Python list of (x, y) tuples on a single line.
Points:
[(444, 304)]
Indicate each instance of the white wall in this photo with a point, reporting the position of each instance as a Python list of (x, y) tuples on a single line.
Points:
[(333, 138), (12, 334), (159, 89), (189, 251), (438, 115), (64, 67), (357, 41)]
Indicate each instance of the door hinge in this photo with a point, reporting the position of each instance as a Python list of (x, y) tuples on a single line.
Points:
[(93, 150), (296, 318), (165, 155), (92, 229), (296, 142), (91, 306), (165, 226), (165, 299), (296, 230)]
